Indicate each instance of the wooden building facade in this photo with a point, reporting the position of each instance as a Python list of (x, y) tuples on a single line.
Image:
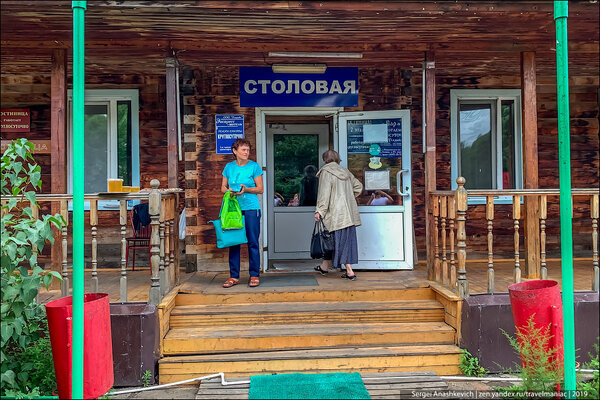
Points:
[(488, 47)]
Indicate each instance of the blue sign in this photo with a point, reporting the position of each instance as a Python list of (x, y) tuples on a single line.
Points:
[(228, 128), (261, 87), (386, 133)]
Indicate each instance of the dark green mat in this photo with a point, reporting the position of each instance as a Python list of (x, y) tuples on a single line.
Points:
[(308, 386)]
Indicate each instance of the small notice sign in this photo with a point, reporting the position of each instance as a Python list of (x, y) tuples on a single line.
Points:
[(15, 120), (39, 146), (228, 128)]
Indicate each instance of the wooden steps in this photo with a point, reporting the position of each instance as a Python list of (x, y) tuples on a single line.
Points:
[(443, 359), (268, 337), (237, 295), (369, 331), (307, 312)]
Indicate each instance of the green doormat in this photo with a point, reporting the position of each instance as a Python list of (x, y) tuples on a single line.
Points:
[(308, 386)]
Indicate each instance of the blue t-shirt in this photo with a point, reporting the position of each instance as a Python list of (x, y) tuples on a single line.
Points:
[(237, 176)]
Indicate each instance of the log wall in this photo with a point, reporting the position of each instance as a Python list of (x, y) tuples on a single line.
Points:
[(208, 91)]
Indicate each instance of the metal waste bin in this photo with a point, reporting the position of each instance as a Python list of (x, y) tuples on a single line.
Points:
[(135, 342)]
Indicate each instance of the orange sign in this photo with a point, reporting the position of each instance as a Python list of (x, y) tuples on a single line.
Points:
[(40, 146), (15, 120)]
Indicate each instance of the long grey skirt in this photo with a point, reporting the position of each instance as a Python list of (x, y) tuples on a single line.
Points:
[(345, 247)]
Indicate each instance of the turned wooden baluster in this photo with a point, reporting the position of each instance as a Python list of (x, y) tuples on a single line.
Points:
[(154, 207), (543, 217), (595, 215), (35, 214), (444, 215), (516, 217), (436, 233), (123, 223), (489, 215), (461, 211), (161, 265), (94, 229), (64, 286), (452, 219)]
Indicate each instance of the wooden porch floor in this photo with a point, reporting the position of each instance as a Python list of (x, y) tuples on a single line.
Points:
[(210, 282)]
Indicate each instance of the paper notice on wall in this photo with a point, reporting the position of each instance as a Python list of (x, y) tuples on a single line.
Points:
[(376, 133)]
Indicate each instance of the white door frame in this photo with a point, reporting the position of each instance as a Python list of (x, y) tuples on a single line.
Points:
[(261, 153)]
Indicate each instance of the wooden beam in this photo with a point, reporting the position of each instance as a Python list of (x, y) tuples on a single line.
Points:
[(172, 116), (430, 166), (58, 145), (530, 161)]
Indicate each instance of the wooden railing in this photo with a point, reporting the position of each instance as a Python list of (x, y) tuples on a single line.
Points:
[(164, 240), (448, 217)]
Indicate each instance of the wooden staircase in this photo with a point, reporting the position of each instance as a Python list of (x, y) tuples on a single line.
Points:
[(243, 334)]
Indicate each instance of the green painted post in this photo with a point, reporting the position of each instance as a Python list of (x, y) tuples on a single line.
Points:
[(561, 11), (79, 8)]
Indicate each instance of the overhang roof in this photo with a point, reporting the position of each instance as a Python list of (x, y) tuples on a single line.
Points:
[(481, 37)]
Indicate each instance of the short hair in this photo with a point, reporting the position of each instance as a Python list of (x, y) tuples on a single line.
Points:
[(331, 156), (240, 142), (310, 170)]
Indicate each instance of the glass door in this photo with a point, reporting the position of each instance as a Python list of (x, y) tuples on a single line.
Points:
[(293, 159), (375, 147)]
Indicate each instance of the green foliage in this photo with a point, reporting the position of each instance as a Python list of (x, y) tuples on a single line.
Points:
[(146, 377), (291, 154), (589, 388), (22, 239), (539, 370), (469, 365)]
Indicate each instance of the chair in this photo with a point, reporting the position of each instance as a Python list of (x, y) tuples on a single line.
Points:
[(139, 240)]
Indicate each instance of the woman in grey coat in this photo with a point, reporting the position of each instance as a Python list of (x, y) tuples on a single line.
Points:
[(336, 205)]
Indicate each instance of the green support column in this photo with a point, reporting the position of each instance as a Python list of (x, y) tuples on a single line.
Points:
[(561, 12), (79, 8)]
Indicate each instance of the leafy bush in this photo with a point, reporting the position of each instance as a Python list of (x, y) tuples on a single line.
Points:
[(541, 370), (469, 365), (589, 389), (23, 237)]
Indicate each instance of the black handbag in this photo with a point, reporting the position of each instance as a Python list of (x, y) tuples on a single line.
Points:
[(321, 243)]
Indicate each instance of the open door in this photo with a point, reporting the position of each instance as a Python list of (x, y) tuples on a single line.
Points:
[(375, 147)]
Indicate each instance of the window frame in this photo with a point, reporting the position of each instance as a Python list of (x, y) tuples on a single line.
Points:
[(112, 96), (494, 96)]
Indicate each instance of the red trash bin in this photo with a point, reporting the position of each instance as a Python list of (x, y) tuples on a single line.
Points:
[(97, 344), (542, 299)]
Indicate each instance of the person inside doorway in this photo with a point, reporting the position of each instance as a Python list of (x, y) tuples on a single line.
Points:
[(278, 200), (380, 198), (336, 205), (294, 201), (309, 186), (243, 178)]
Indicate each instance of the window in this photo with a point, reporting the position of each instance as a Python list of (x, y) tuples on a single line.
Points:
[(111, 139), (486, 138)]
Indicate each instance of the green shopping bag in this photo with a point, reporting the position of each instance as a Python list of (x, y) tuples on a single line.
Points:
[(231, 214)]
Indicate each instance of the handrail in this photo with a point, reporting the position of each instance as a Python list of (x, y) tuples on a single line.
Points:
[(448, 235), (98, 196), (515, 192)]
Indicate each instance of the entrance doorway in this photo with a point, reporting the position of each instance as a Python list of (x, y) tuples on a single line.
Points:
[(374, 146)]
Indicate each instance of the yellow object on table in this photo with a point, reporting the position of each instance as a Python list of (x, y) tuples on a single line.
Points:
[(134, 189), (115, 185), (126, 188)]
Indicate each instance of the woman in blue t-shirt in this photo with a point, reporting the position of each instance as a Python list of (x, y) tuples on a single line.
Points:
[(243, 178)]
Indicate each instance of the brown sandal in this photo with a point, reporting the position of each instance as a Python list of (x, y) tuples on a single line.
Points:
[(230, 282), (254, 281)]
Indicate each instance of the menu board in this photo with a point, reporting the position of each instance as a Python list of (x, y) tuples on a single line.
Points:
[(387, 133)]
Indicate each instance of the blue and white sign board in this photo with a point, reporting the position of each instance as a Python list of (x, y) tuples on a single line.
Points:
[(261, 87), (387, 133), (228, 128)]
